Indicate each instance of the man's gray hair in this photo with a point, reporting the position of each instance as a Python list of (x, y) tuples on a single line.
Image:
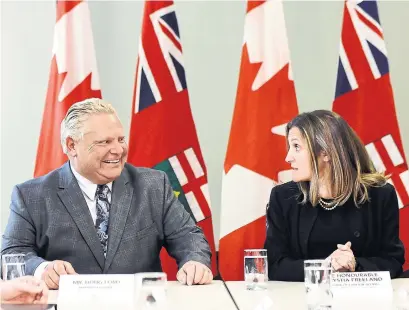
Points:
[(71, 125)]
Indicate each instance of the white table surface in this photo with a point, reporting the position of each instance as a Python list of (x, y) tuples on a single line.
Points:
[(291, 296), (213, 296)]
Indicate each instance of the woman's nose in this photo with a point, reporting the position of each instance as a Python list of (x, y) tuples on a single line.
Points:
[(288, 158)]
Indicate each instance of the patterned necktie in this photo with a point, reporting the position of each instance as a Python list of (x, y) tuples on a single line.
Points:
[(101, 224)]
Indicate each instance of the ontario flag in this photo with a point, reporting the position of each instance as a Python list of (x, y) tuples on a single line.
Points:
[(364, 98), (73, 77), (254, 163), (163, 134)]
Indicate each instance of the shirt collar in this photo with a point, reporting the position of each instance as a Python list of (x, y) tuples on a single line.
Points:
[(87, 187)]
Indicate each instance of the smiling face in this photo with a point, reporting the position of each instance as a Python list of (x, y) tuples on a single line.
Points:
[(298, 156), (101, 154)]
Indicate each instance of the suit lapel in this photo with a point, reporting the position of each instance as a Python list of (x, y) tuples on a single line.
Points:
[(308, 215), (74, 201), (121, 200)]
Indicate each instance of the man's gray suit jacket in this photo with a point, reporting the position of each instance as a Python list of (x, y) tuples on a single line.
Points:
[(50, 220)]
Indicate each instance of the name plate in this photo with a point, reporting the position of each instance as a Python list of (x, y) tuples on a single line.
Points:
[(362, 285), (98, 291)]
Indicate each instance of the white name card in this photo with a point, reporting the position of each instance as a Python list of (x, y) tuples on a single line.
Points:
[(361, 285), (96, 292)]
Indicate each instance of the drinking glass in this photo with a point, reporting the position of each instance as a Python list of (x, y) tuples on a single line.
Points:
[(151, 291), (13, 266), (401, 298), (255, 269), (317, 275)]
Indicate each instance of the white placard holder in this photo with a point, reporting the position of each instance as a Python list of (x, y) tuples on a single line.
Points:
[(96, 292), (361, 288)]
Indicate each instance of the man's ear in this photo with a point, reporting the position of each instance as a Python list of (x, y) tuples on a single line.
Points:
[(71, 147)]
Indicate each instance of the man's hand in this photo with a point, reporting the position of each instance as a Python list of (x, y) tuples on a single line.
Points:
[(24, 290), (343, 258), (54, 270), (194, 273)]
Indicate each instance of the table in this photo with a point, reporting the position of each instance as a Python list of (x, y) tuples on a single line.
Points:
[(291, 295), (213, 296)]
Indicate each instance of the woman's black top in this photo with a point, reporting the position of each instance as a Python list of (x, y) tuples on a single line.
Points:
[(296, 232)]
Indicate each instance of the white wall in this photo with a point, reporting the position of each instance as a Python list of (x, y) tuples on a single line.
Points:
[(211, 37)]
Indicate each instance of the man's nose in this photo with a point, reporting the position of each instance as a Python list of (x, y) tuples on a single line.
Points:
[(117, 148)]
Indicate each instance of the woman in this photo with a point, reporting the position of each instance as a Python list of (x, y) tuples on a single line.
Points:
[(337, 206)]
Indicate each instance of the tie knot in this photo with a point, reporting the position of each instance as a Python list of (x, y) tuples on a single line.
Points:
[(102, 190)]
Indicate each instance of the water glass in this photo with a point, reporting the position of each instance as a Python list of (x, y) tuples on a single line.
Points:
[(401, 298), (255, 269), (151, 291), (13, 266), (317, 275)]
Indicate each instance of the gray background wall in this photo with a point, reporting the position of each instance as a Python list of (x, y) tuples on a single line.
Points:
[(212, 34)]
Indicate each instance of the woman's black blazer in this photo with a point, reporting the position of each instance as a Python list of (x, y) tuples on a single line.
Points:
[(289, 224)]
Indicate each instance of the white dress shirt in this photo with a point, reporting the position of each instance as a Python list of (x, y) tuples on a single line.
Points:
[(89, 191)]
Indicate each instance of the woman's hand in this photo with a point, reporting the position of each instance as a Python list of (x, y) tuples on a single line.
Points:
[(343, 258)]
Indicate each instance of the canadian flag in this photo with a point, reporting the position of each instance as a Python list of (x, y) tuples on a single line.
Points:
[(254, 163), (73, 77), (364, 98)]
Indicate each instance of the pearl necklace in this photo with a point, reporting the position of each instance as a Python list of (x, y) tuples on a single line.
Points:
[(325, 205)]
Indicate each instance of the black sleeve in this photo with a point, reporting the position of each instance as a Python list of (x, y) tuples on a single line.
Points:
[(281, 266), (391, 255)]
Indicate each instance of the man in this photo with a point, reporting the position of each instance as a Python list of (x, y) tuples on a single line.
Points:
[(97, 214)]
